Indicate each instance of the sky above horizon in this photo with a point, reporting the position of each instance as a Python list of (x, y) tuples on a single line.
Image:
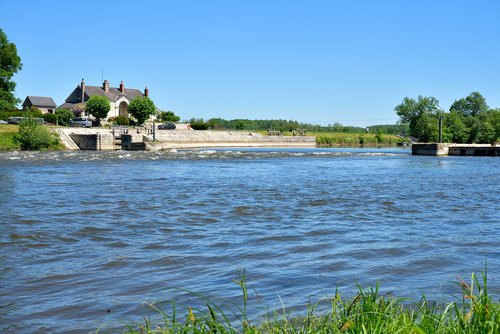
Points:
[(318, 62)]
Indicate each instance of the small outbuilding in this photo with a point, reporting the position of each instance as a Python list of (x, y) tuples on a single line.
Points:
[(45, 104)]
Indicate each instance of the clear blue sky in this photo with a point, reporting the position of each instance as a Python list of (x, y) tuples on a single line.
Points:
[(313, 61)]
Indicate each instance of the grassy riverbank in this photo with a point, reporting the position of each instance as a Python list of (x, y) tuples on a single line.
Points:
[(7, 133), (368, 312)]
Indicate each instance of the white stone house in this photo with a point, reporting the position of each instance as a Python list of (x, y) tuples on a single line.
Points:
[(119, 98)]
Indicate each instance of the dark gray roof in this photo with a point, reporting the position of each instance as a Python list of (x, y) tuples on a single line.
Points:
[(112, 95), (39, 101), (68, 105)]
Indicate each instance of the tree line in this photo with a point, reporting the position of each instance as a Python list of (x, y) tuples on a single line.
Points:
[(290, 125), (469, 120)]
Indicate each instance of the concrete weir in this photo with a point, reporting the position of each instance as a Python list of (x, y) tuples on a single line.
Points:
[(132, 139), (440, 149)]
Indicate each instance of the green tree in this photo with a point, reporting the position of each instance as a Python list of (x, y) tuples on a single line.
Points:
[(216, 123), (169, 116), (472, 111), (98, 106), (33, 136), (472, 105), (10, 63), (455, 129), (63, 116), (488, 127), (141, 108), (422, 117), (494, 116)]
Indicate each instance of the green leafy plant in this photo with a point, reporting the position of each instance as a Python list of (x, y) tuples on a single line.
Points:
[(10, 64), (33, 136), (141, 108), (368, 311), (378, 136), (198, 124), (50, 118), (63, 116), (361, 139), (98, 106), (168, 116), (121, 120)]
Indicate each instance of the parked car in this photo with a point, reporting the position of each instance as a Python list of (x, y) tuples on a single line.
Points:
[(17, 120), (166, 126), (83, 122)]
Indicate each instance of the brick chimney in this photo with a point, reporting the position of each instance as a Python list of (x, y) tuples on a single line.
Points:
[(105, 86), (146, 92), (122, 87), (82, 87)]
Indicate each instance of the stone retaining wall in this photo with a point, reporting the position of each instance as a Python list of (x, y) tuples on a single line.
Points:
[(455, 149), (103, 139)]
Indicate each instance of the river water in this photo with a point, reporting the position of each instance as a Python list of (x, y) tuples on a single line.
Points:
[(89, 238)]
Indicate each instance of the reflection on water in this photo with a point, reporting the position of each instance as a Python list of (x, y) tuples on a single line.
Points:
[(87, 237)]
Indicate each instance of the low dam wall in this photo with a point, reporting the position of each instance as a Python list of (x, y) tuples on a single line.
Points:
[(130, 139), (192, 139), (477, 151), (455, 149)]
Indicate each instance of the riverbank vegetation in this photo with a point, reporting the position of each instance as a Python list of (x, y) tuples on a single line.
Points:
[(7, 133), (325, 139), (290, 125), (369, 311), (469, 120), (28, 135), (326, 136)]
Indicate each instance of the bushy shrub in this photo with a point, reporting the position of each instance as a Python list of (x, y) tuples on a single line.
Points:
[(168, 116), (34, 111), (63, 116), (121, 120), (199, 125), (4, 115), (378, 136), (33, 136), (50, 118)]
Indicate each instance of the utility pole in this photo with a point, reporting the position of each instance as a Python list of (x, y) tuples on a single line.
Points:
[(440, 128)]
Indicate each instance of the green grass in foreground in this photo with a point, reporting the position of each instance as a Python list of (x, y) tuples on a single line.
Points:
[(7, 142), (7, 133), (367, 312)]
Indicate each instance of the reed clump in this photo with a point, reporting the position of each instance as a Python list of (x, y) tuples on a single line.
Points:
[(354, 139), (367, 312)]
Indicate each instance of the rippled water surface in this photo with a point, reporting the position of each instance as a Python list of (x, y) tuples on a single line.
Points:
[(88, 237)]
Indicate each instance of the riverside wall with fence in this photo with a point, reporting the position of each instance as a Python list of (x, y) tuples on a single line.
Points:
[(144, 138)]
